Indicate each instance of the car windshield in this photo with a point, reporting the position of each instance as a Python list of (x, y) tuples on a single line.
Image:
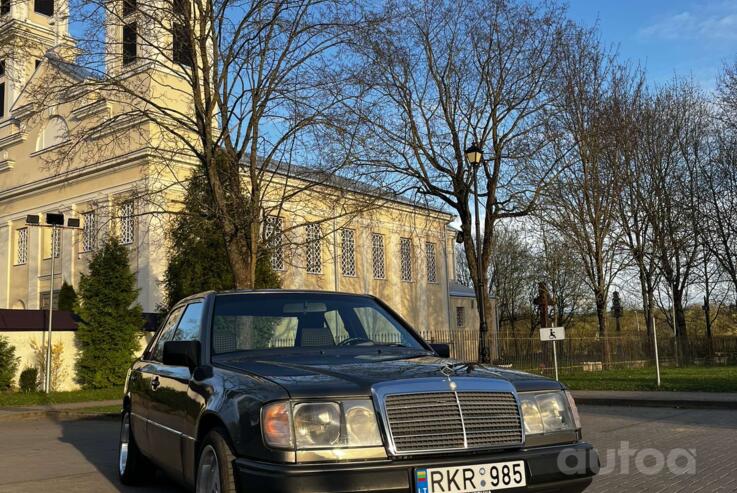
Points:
[(263, 321)]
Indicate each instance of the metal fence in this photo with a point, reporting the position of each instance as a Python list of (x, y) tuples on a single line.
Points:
[(587, 353)]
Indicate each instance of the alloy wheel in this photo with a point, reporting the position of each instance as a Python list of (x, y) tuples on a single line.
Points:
[(208, 472)]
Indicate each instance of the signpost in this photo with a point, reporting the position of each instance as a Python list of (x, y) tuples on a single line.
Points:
[(553, 334)]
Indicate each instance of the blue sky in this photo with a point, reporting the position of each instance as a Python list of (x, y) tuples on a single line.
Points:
[(690, 38)]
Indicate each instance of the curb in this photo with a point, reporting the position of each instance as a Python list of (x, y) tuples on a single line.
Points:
[(58, 414), (60, 411), (665, 403)]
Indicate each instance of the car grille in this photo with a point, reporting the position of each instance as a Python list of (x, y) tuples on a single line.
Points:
[(435, 421)]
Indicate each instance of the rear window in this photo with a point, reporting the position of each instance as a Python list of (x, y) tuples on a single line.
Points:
[(303, 320)]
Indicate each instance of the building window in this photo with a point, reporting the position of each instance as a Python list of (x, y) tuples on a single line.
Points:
[(21, 250), (45, 7), (405, 252), (129, 7), (314, 254), (273, 237), (130, 43), (56, 242), (127, 223), (348, 252), (44, 300), (54, 132), (89, 231), (182, 51), (460, 317), (51, 242), (377, 256), (432, 271), (4, 7)]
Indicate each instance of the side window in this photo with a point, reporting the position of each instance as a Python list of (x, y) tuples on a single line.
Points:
[(189, 326), (166, 334)]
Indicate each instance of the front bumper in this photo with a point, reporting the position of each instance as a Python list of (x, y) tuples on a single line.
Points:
[(396, 476)]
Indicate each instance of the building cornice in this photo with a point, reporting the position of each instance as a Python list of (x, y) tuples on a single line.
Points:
[(13, 139), (62, 178), (6, 164)]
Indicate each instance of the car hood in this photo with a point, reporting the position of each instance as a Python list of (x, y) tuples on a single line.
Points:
[(344, 375)]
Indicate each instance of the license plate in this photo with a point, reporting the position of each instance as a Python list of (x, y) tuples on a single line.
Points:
[(478, 478)]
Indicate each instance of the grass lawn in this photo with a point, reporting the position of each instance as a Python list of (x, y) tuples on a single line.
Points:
[(691, 379), (39, 398)]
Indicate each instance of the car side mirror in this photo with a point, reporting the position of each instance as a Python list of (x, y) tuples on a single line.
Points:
[(182, 353), (442, 350)]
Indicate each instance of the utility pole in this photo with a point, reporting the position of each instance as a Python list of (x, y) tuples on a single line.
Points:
[(55, 221)]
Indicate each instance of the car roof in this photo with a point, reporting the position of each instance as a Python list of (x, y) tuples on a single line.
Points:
[(270, 291)]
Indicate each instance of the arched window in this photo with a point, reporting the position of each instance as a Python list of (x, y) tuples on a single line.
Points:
[(53, 133), (19, 305)]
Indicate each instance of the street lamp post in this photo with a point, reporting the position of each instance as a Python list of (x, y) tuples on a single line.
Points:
[(475, 156), (56, 223)]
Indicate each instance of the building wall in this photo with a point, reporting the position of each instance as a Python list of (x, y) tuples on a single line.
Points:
[(24, 341)]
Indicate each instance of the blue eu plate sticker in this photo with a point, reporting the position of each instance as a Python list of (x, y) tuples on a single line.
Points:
[(421, 481)]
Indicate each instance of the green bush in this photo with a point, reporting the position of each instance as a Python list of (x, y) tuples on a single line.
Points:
[(28, 380), (110, 319), (8, 364), (67, 297)]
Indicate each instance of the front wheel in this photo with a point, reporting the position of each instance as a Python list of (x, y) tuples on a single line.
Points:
[(215, 465), (133, 467)]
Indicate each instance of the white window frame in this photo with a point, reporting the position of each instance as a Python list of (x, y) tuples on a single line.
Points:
[(313, 248), (348, 252), (21, 246), (378, 257), (405, 259), (89, 231), (273, 233), (127, 222), (431, 261), (56, 242)]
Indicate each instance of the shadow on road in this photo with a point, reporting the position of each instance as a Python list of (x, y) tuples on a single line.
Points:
[(96, 438)]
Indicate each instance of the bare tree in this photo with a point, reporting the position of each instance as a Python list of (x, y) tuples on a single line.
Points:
[(563, 274), (635, 188), (446, 74), (582, 204), (674, 146), (719, 180), (512, 273), (240, 89)]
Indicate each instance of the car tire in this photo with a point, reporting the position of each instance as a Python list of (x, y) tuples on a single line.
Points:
[(215, 464), (133, 467)]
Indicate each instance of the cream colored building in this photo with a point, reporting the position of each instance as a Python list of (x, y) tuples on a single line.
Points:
[(399, 251)]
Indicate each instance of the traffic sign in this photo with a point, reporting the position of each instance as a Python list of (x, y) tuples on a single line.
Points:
[(552, 334)]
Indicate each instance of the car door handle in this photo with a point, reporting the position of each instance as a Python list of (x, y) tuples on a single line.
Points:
[(155, 383)]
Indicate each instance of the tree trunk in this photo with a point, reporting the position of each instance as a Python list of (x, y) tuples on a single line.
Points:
[(680, 325), (240, 265), (601, 316)]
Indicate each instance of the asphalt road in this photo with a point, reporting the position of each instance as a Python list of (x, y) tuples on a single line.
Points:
[(78, 456)]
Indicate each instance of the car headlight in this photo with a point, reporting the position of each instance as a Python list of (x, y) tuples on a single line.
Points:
[(548, 412), (315, 425)]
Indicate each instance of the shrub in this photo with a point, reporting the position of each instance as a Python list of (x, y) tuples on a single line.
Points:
[(67, 297), (58, 372), (110, 320), (28, 381), (8, 364)]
